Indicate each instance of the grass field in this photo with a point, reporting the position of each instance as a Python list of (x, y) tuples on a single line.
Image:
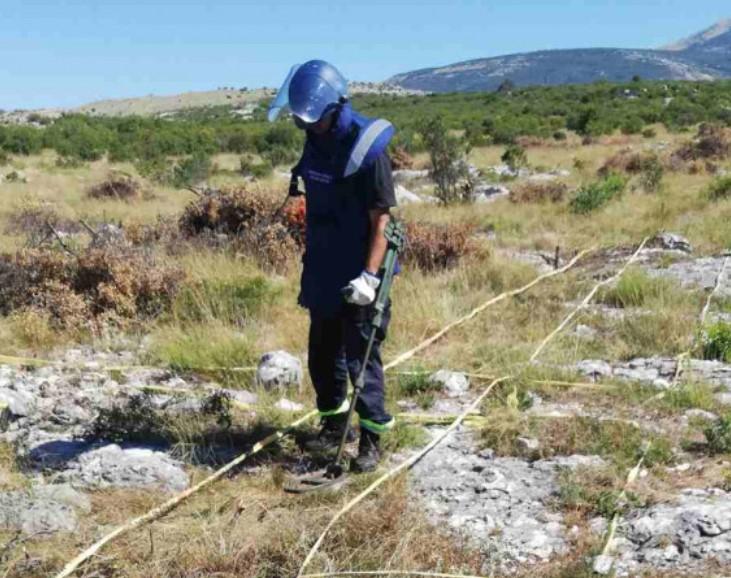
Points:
[(244, 527)]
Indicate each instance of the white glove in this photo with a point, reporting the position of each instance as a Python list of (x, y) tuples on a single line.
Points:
[(362, 289)]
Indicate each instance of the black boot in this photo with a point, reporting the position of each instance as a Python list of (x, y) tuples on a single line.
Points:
[(369, 452), (330, 434)]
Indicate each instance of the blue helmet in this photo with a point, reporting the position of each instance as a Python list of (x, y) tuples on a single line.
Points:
[(310, 90)]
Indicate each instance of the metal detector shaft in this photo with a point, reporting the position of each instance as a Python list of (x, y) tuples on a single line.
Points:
[(395, 236)]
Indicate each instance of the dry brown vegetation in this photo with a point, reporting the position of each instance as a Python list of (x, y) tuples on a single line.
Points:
[(539, 192), (117, 186), (88, 290), (433, 247)]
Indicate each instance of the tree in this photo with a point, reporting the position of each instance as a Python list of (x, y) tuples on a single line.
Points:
[(447, 155)]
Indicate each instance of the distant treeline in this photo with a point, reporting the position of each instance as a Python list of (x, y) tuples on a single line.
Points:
[(497, 117)]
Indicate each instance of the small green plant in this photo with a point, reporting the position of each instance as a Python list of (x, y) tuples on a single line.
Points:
[(649, 133), (595, 195), (515, 157), (191, 171), (416, 383), (636, 288), (249, 168), (718, 435), (717, 342), (719, 189), (651, 175), (446, 154)]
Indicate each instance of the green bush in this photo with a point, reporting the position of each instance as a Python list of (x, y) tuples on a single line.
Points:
[(717, 342), (649, 133), (249, 168), (718, 436), (191, 171), (515, 157), (719, 189), (595, 195), (651, 175), (446, 153)]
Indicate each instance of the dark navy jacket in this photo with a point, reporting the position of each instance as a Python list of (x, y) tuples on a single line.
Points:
[(338, 222)]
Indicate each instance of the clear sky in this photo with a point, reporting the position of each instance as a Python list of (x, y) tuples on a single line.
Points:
[(70, 52)]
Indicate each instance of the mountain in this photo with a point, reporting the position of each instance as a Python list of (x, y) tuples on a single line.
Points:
[(704, 56)]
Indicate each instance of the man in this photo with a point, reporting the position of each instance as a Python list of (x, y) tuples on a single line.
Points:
[(349, 188)]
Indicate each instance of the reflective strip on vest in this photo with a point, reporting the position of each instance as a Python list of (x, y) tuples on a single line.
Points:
[(377, 428), (363, 145), (342, 408)]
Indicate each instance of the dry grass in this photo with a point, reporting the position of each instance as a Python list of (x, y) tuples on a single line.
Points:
[(245, 526)]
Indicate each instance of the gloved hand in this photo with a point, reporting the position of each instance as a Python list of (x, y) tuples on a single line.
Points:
[(362, 289)]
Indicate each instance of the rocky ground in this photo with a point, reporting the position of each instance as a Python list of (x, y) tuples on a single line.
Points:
[(507, 506)]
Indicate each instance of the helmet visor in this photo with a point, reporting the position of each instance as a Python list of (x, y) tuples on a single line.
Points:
[(282, 99), (311, 97)]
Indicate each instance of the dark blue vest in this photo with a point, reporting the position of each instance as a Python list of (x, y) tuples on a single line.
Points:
[(338, 223)]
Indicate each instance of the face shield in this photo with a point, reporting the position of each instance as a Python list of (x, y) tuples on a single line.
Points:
[(310, 91)]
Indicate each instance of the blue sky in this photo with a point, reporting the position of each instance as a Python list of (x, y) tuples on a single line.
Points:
[(69, 52)]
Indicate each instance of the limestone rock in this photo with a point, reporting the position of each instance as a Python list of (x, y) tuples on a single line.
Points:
[(451, 382), (671, 242), (404, 196), (594, 368), (42, 510), (278, 370), (112, 466), (288, 405)]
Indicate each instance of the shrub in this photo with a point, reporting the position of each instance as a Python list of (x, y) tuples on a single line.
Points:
[(710, 142), (719, 189), (634, 289), (191, 171), (434, 247), (595, 195), (515, 157), (99, 286), (717, 342), (31, 220), (446, 154), (649, 133), (272, 236), (538, 192), (627, 161), (560, 135), (400, 159), (248, 168), (718, 436), (4, 158), (117, 186), (652, 175)]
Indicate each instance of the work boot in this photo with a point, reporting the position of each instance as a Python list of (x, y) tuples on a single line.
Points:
[(369, 453), (330, 434)]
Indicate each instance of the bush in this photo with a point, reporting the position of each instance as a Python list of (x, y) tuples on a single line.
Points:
[(191, 171), (595, 195), (710, 142), (120, 187), (270, 235), (719, 189), (538, 192), (249, 168), (515, 157), (649, 133), (560, 135), (717, 342), (718, 436), (400, 159), (634, 289), (435, 247), (95, 288), (446, 153), (627, 161), (652, 175)]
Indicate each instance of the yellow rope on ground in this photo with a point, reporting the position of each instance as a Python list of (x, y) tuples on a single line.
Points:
[(168, 506), (612, 529), (393, 471), (477, 310), (587, 299), (173, 502)]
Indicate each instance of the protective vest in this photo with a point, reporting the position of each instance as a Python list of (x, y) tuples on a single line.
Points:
[(338, 223)]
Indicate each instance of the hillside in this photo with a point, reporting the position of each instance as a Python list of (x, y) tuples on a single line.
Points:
[(704, 56)]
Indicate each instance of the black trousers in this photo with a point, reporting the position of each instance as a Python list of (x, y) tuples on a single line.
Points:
[(336, 349)]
